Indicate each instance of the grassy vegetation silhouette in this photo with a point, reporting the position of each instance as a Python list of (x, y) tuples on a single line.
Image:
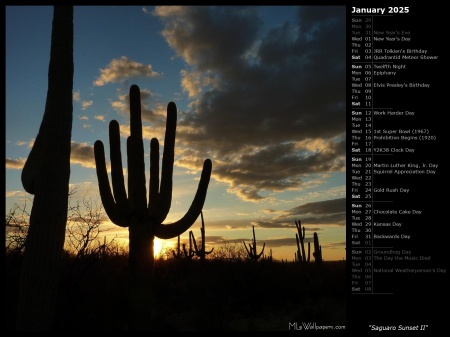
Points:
[(218, 294), (83, 229), (227, 291)]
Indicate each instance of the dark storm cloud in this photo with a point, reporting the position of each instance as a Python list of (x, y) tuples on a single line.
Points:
[(261, 96), (320, 208), (328, 212)]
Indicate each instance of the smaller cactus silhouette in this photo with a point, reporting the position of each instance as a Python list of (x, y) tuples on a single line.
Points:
[(268, 257), (317, 249), (300, 256), (189, 254), (200, 252), (177, 252), (251, 249), (181, 251)]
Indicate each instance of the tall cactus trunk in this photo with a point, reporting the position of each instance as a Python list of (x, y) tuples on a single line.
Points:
[(317, 250), (46, 174)]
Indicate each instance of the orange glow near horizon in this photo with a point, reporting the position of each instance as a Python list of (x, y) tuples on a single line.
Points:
[(286, 253), (161, 246), (157, 247)]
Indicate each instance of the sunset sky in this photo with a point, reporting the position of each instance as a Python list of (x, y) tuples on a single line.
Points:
[(259, 90)]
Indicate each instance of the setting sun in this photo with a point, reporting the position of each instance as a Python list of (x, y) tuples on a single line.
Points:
[(158, 246)]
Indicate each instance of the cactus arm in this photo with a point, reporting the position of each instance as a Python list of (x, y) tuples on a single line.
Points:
[(165, 193), (185, 252), (135, 151), (301, 237), (254, 242), (298, 255), (202, 230), (104, 188), (201, 253), (249, 250), (117, 179), (177, 253), (309, 252), (192, 238), (262, 251), (303, 244), (154, 175), (191, 252), (167, 231)]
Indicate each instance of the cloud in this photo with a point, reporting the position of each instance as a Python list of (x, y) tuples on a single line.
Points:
[(312, 214), (82, 154), (321, 212), (100, 117), (267, 103), (327, 212), (15, 164), (10, 194), (29, 144), (122, 69), (86, 104), (320, 208), (76, 96), (152, 111)]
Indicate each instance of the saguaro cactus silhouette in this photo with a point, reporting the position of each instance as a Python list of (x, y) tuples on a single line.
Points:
[(144, 218), (46, 174), (317, 249), (181, 250), (200, 252), (300, 237), (177, 253), (251, 249)]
